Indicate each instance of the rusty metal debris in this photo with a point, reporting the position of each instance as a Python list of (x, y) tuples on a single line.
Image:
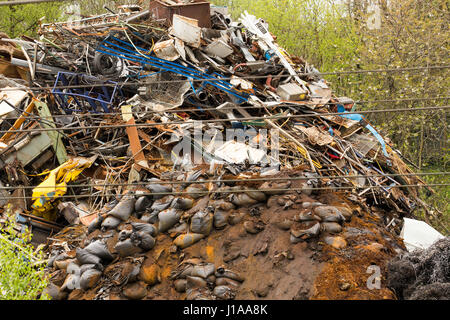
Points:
[(112, 126)]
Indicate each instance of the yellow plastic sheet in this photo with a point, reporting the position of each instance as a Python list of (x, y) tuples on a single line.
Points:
[(45, 195)]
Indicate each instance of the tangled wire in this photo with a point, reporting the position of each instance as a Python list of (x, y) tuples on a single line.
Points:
[(422, 274)]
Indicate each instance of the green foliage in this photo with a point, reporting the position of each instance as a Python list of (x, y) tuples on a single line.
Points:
[(320, 31), (19, 279), (21, 20), (439, 200), (413, 33)]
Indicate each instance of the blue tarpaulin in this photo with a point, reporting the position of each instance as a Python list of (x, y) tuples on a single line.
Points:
[(358, 117)]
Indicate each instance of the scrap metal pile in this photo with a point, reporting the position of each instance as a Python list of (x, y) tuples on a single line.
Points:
[(94, 115)]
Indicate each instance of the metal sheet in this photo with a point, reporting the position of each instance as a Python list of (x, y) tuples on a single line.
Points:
[(199, 10), (32, 150)]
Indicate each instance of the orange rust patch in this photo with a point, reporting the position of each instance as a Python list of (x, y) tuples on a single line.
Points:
[(150, 274), (346, 274), (210, 253), (165, 273)]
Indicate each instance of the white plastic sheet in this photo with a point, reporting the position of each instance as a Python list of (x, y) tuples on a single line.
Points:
[(237, 152), (418, 234)]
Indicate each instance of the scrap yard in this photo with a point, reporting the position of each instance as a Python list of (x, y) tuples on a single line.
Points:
[(169, 151)]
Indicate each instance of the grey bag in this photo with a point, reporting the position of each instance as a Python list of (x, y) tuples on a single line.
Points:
[(167, 219), (85, 257), (144, 227), (202, 222), (99, 249), (90, 278), (124, 208)]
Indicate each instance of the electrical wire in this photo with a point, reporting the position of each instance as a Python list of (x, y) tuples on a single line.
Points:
[(202, 109), (205, 192), (274, 117), (121, 84), (137, 184)]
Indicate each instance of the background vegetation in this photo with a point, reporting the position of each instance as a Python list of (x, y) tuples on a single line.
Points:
[(338, 35), (21, 277)]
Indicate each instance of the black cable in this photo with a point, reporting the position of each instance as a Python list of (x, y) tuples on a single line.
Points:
[(136, 184), (121, 84), (202, 109), (205, 192), (274, 117)]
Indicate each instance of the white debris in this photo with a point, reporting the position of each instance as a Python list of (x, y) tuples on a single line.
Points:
[(238, 152), (418, 234)]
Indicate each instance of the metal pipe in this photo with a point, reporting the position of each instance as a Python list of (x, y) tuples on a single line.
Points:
[(142, 14), (39, 67)]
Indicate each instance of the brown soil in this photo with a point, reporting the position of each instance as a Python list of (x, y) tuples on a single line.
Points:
[(368, 244)]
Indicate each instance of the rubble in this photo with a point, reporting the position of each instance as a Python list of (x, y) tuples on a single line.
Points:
[(115, 98)]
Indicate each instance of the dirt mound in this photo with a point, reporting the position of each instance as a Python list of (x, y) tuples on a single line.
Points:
[(280, 248), (350, 268)]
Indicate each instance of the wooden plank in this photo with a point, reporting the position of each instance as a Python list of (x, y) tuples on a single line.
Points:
[(135, 144)]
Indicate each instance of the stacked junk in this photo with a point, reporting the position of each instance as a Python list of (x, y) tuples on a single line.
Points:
[(94, 114)]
